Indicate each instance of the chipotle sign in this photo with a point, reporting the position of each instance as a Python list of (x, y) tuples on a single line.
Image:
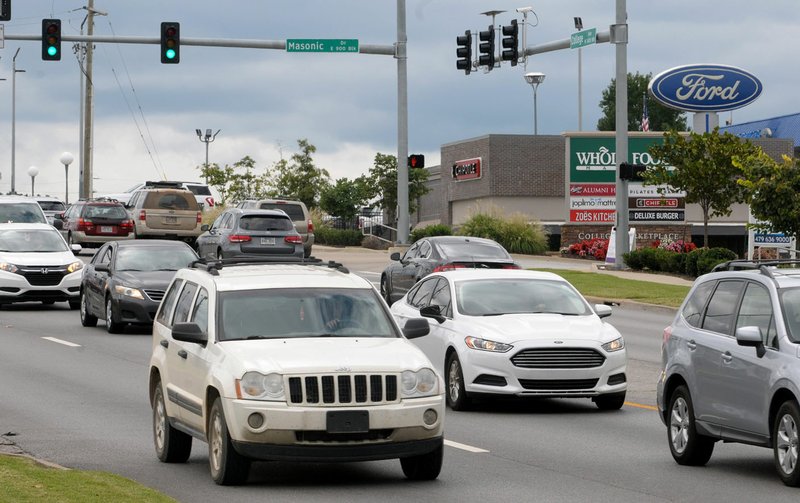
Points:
[(468, 169)]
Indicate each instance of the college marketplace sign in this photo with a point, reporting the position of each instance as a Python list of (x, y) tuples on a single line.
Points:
[(593, 184)]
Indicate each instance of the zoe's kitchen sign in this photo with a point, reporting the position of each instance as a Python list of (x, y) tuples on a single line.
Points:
[(705, 88), (468, 169)]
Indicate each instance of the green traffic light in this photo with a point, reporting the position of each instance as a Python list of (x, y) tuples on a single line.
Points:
[(170, 53), (52, 51)]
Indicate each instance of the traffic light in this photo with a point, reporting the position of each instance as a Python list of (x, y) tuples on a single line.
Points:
[(5, 10), (464, 52), (416, 161), (170, 43), (487, 47), (511, 43), (51, 40), (628, 171)]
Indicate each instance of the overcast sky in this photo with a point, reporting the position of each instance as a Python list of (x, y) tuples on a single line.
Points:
[(264, 100)]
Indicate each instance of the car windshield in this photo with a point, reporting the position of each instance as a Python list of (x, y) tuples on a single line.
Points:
[(470, 250), (790, 305), (52, 205), (199, 190), (26, 213), (302, 312), (295, 211), (31, 241), (265, 223), (105, 211), (493, 297), (153, 258)]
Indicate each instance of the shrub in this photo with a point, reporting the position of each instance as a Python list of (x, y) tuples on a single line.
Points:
[(430, 230), (516, 234), (324, 235), (482, 225), (711, 257)]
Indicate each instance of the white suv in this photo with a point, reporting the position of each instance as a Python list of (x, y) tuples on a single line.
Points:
[(298, 361)]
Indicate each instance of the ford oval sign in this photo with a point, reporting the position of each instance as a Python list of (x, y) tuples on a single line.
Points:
[(705, 88)]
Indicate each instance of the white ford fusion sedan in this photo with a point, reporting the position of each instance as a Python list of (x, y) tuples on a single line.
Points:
[(519, 333)]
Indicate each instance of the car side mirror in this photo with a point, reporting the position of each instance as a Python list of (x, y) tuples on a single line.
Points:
[(434, 312), (58, 223), (416, 327), (751, 337), (76, 249), (58, 216), (204, 227), (602, 310), (101, 267), (395, 256), (189, 332)]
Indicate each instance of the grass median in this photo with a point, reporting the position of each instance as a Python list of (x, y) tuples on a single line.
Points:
[(613, 288), (25, 480)]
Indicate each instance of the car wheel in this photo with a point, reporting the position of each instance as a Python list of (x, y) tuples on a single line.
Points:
[(172, 446), (686, 445), (425, 466), (610, 401), (74, 304), (228, 467), (111, 326), (307, 253), (87, 318), (385, 290), (785, 446), (457, 397), (220, 256)]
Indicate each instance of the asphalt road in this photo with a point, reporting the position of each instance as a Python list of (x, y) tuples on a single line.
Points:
[(78, 397)]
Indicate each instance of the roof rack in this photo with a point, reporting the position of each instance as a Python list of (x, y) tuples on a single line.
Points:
[(212, 266), (766, 267)]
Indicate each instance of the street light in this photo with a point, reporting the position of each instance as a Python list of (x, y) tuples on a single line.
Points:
[(579, 27), (208, 138), (66, 160), (32, 172), (534, 79)]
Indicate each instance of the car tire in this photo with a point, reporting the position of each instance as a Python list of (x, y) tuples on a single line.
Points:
[(87, 318), (425, 466), (385, 293), (220, 255), (785, 445), (610, 401), (227, 466), (456, 395), (74, 304), (307, 253), (688, 447), (172, 446), (112, 327)]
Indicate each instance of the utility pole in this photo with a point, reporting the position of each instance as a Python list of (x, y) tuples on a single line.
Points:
[(14, 120), (87, 143)]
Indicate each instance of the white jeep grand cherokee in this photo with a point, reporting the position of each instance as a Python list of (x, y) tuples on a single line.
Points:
[(294, 361)]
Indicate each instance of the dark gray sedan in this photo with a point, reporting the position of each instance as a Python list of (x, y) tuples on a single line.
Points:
[(440, 253), (254, 233)]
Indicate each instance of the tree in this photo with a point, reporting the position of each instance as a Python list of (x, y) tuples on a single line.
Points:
[(702, 166), (345, 197), (233, 185), (300, 179), (661, 118), (772, 190), (383, 180)]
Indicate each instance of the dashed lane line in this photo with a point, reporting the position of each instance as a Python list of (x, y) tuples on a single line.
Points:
[(464, 447), (59, 341)]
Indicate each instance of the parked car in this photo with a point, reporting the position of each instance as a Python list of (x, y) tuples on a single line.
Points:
[(201, 191), (730, 365), (440, 253), (165, 214), (125, 281), (92, 222), (51, 206), (21, 209), (296, 210), (516, 333), (246, 358), (37, 265), (238, 232)]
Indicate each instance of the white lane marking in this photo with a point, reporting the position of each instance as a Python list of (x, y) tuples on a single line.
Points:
[(464, 447), (59, 341)]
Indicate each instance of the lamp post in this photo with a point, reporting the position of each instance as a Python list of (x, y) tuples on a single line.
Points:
[(66, 159), (14, 120), (534, 79), (32, 172), (208, 138), (579, 27)]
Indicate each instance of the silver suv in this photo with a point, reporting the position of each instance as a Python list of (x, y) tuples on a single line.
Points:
[(296, 210), (732, 364)]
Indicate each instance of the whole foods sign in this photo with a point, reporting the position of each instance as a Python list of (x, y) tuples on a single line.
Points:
[(705, 88)]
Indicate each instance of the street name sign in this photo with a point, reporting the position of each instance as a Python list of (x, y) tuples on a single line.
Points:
[(322, 45), (583, 38)]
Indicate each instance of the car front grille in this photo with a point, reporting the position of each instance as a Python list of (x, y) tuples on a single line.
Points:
[(155, 295), (558, 358), (43, 275), (558, 384), (343, 389)]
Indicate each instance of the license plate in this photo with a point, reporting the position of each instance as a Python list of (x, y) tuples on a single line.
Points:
[(106, 229), (347, 421), (267, 241), (172, 220)]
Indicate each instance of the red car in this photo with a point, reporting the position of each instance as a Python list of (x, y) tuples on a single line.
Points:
[(92, 222)]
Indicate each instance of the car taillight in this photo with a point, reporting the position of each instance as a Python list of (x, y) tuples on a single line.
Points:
[(85, 225), (294, 240), (238, 238), (310, 226), (142, 215), (199, 217), (210, 201), (667, 334), (449, 267), (126, 225), (511, 266)]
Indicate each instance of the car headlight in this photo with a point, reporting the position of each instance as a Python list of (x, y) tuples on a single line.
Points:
[(5, 266), (420, 383), (75, 266), (614, 345), (257, 386), (129, 292), (486, 345)]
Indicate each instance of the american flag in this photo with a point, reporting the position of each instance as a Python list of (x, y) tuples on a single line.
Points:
[(645, 117)]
